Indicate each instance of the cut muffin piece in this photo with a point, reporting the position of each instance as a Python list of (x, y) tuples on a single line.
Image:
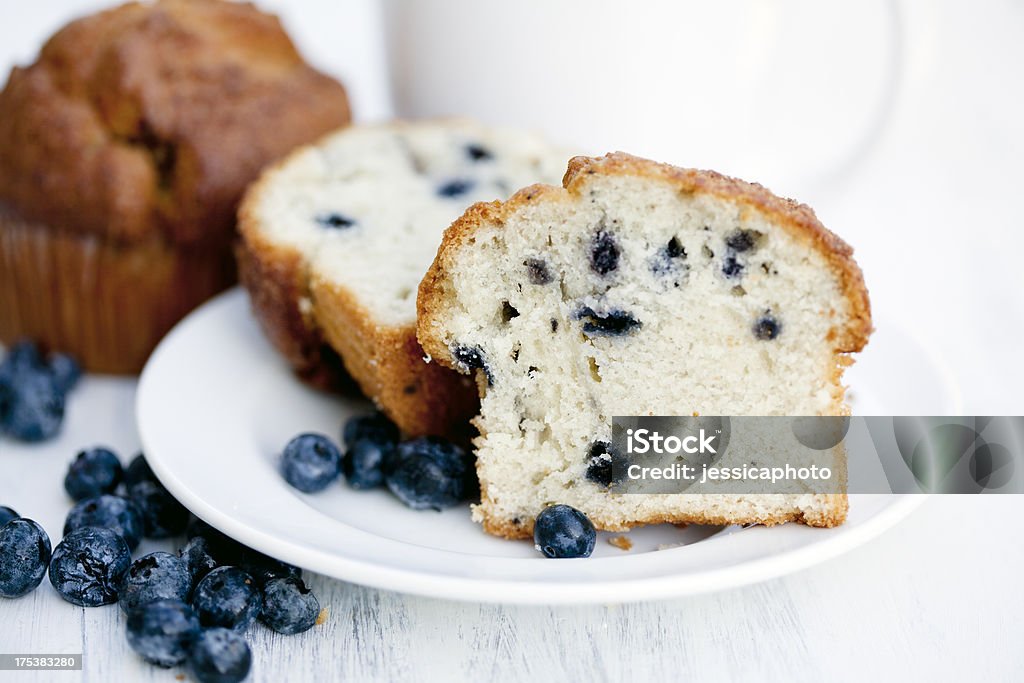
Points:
[(337, 237), (638, 289)]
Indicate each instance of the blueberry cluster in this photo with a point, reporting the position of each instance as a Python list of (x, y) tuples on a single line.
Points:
[(424, 473), (32, 392), (190, 608)]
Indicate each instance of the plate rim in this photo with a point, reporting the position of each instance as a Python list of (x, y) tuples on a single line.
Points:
[(500, 590)]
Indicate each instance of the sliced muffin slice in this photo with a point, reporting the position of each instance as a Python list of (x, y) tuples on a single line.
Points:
[(337, 237), (638, 289)]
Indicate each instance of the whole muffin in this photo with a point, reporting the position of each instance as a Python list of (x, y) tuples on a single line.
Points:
[(124, 150)]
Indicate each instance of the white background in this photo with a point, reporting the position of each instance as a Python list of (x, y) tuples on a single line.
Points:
[(931, 207)]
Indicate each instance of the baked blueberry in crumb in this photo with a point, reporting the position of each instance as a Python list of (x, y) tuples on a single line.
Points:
[(742, 240), (601, 461), (674, 249), (613, 323), (470, 358), (455, 188), (87, 566), (477, 152), (554, 325), (667, 259), (604, 253), (24, 557), (561, 531), (767, 327), (537, 271), (335, 220), (220, 655), (92, 473), (731, 267), (163, 632)]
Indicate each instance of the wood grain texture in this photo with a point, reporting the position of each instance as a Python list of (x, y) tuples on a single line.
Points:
[(935, 598)]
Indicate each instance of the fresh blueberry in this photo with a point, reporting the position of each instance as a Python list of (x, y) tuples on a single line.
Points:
[(562, 531), (138, 470), (767, 328), (6, 402), (223, 549), (470, 358), (197, 558), (614, 323), (88, 565), (478, 152), (430, 473), (163, 632), (220, 656), (7, 514), (112, 512), (288, 606), (375, 427), (263, 568), (162, 515), (65, 370), (93, 473), (227, 597), (34, 407), (335, 220), (23, 357), (604, 253), (601, 462), (24, 557), (363, 464), (537, 271), (455, 188), (310, 462), (157, 576)]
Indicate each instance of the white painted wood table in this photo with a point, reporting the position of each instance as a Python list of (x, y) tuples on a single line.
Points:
[(938, 597)]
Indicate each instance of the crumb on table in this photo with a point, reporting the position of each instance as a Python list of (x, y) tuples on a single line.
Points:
[(321, 618)]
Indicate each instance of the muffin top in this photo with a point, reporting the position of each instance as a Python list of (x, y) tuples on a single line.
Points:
[(150, 119)]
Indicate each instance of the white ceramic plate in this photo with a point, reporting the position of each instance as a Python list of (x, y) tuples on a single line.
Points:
[(216, 405)]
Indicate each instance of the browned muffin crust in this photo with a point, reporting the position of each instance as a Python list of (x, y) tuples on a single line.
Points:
[(140, 127)]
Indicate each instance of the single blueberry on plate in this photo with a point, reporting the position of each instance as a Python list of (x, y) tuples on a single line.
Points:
[(35, 407), (92, 473), (455, 188), (24, 557), (375, 427), (227, 597), (157, 576), (65, 370), (363, 464), (7, 514), (430, 473), (162, 515), (87, 566), (263, 568), (113, 512), (220, 655), (163, 632), (310, 462), (561, 531), (138, 470), (288, 606), (197, 558)]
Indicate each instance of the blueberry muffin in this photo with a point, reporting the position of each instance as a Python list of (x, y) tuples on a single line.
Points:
[(336, 238), (638, 289), (125, 149)]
